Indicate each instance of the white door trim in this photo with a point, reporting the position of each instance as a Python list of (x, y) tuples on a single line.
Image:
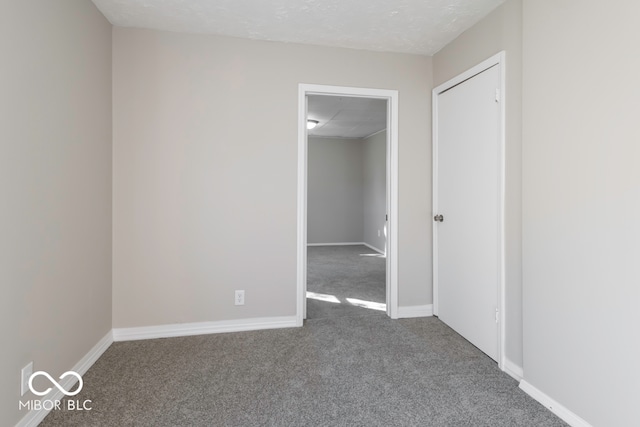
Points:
[(392, 189), (496, 60)]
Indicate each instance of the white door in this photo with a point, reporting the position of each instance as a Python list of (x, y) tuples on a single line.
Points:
[(467, 194)]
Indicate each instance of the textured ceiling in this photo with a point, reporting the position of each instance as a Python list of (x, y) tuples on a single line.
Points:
[(407, 26), (346, 117)]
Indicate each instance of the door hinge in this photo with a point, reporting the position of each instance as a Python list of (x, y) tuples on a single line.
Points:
[(497, 95), (497, 316)]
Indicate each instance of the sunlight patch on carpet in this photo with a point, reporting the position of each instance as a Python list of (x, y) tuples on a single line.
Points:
[(367, 304), (323, 297)]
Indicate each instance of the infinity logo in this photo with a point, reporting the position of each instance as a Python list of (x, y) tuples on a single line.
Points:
[(55, 383)]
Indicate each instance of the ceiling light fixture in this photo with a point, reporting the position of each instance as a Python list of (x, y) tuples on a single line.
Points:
[(311, 124)]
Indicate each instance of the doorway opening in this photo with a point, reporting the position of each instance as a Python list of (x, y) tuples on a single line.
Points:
[(319, 233), (346, 206)]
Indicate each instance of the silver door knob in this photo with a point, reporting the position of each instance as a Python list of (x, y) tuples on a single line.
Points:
[(438, 218)]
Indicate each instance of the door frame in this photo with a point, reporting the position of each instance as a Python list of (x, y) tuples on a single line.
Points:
[(499, 61), (391, 96)]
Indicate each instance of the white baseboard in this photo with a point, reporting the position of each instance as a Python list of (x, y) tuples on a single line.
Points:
[(380, 251), (406, 312), (513, 370), (202, 328), (336, 244), (35, 417), (555, 407)]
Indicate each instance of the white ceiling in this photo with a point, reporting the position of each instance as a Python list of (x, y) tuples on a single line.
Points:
[(346, 117), (406, 26)]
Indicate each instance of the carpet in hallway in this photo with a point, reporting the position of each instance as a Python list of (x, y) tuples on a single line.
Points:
[(345, 281)]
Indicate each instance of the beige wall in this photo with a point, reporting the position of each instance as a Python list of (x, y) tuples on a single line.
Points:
[(334, 190), (204, 203), (55, 182), (581, 228), (500, 30), (347, 187), (374, 170)]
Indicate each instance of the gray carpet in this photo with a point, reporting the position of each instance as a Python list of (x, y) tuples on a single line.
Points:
[(348, 366), (348, 274), (344, 371)]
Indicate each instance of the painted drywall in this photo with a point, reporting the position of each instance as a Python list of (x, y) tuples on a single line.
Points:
[(55, 181), (205, 204), (581, 206), (500, 30), (374, 183), (346, 197), (334, 190)]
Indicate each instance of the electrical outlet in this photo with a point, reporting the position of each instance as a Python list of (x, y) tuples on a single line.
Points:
[(26, 373), (239, 297)]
